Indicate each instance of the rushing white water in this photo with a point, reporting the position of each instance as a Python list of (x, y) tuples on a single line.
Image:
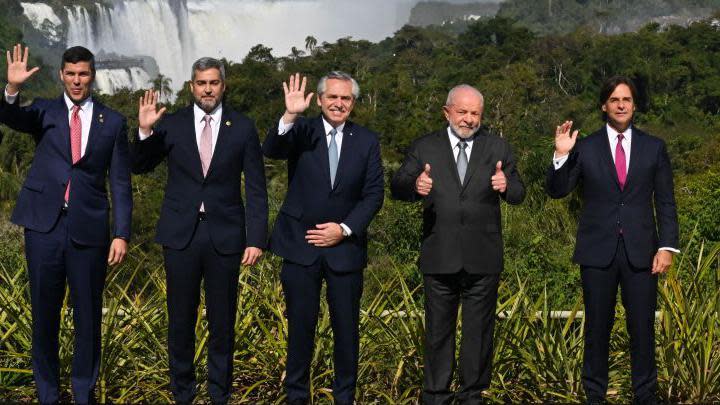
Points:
[(43, 18), (177, 32), (109, 81)]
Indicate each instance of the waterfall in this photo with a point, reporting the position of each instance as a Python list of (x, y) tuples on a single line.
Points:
[(43, 18), (177, 32), (109, 81)]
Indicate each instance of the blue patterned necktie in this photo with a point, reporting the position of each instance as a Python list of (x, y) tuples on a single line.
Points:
[(333, 156)]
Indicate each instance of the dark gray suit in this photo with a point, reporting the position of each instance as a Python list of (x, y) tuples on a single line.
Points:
[(461, 255)]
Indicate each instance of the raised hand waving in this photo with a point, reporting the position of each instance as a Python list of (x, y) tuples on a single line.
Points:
[(17, 71)]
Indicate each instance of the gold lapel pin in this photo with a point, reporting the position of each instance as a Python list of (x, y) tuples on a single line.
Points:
[(228, 123)]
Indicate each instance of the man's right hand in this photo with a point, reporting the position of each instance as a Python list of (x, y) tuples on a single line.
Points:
[(296, 102), (423, 183), (17, 71), (564, 141), (148, 113)]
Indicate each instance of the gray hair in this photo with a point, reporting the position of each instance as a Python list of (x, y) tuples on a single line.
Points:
[(451, 93), (206, 63), (336, 74)]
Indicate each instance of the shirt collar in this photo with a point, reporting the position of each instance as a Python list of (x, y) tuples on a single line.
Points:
[(329, 127), (84, 106), (454, 139), (216, 114), (612, 133)]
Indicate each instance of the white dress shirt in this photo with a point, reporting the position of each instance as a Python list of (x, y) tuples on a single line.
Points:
[(199, 121), (558, 162), (455, 141), (85, 113), (283, 128)]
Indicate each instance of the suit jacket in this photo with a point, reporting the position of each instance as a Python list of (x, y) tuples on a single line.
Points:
[(647, 195), (106, 157), (461, 223), (355, 198), (237, 151)]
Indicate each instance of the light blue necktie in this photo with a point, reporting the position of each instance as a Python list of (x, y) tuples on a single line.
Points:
[(462, 161), (333, 156)]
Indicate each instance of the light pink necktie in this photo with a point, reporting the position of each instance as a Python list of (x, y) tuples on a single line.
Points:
[(206, 145), (75, 142), (620, 163)]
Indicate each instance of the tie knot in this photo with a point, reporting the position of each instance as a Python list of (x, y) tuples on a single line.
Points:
[(333, 132), (462, 145), (620, 137), (207, 118), (76, 109)]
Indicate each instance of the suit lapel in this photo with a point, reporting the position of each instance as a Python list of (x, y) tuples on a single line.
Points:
[(348, 145), (64, 129), (96, 124), (321, 150), (447, 154), (606, 154), (224, 136), (188, 138), (636, 144), (475, 156)]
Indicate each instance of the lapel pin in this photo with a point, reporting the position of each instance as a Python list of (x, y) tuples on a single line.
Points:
[(101, 118), (228, 123)]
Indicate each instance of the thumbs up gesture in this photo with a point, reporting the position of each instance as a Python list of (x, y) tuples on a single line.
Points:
[(498, 180), (423, 183)]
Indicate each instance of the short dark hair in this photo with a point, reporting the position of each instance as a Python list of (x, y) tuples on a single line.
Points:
[(78, 54)]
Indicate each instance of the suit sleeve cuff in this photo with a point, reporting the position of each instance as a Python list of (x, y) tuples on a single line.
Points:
[(347, 229), (10, 98), (283, 128), (558, 162), (669, 249)]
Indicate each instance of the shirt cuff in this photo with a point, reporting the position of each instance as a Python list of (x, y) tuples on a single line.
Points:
[(669, 249), (283, 128), (558, 162), (347, 229), (10, 98), (144, 136)]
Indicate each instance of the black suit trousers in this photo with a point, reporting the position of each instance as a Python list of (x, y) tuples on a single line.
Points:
[(53, 258), (639, 297), (301, 286), (185, 269), (444, 293)]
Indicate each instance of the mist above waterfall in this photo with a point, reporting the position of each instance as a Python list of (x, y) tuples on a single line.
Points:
[(177, 32)]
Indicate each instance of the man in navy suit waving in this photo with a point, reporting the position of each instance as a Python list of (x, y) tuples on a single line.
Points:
[(627, 234), (63, 205), (205, 229), (335, 188)]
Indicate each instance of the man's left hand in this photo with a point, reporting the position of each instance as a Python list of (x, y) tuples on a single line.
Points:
[(326, 235), (251, 256), (498, 180), (662, 261), (118, 250)]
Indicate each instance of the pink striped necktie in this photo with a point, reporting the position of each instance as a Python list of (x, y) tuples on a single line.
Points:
[(75, 142), (206, 151), (620, 161)]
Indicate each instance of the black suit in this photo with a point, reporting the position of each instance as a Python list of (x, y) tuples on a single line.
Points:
[(208, 245), (616, 241), (354, 199), (461, 255)]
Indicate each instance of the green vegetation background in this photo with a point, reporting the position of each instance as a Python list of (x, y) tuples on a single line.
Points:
[(531, 83)]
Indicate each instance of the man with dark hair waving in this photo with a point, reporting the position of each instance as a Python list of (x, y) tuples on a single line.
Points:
[(205, 229), (335, 188), (63, 205), (627, 234)]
